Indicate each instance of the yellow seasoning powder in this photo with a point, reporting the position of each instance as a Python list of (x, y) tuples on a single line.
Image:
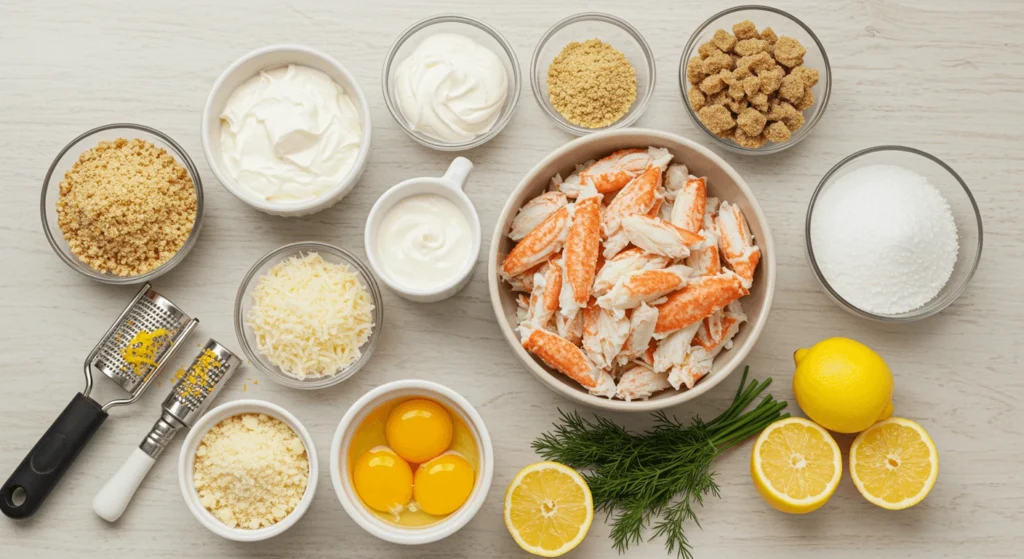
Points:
[(591, 84), (140, 353)]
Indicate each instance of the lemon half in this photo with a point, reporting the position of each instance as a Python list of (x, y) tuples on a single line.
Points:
[(894, 463), (548, 509), (796, 465)]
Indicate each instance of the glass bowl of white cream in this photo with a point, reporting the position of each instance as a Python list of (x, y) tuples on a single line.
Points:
[(286, 129), (452, 82), (422, 236)]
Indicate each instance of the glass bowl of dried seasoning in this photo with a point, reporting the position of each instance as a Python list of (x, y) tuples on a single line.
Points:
[(591, 72)]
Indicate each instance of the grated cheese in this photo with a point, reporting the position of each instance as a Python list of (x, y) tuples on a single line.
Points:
[(251, 471), (310, 316)]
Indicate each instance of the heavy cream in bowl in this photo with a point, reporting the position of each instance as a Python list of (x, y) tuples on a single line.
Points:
[(290, 134), (424, 241)]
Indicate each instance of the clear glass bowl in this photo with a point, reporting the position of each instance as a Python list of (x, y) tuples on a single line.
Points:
[(468, 27), (243, 303), (782, 23), (67, 158), (610, 29), (965, 214)]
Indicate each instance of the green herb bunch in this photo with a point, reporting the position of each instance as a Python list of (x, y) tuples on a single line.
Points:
[(656, 478)]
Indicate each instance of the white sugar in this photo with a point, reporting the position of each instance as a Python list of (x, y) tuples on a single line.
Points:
[(884, 238)]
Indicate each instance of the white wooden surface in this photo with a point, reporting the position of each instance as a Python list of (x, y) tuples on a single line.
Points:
[(940, 75)]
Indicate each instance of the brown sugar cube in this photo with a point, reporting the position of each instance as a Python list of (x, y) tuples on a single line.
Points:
[(708, 49), (745, 29), (808, 75), (746, 140), (768, 34), (729, 77), (712, 84), (696, 98), (718, 98), (716, 118), (736, 91), (756, 62), (780, 110), (806, 102), (794, 121), (717, 62), (742, 72), (751, 85), (748, 47), (792, 88), (771, 79), (789, 52), (695, 70), (724, 40), (777, 132), (759, 101), (737, 106), (751, 122)]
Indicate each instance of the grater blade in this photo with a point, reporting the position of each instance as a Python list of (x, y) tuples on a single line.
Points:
[(149, 313), (199, 383)]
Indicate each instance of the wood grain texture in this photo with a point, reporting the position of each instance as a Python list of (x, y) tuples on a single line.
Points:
[(935, 74)]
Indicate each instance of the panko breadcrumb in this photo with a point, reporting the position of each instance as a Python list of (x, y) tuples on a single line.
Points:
[(751, 87), (591, 83), (126, 207)]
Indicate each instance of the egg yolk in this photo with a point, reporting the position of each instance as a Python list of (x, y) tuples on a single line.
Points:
[(443, 484), (383, 480), (419, 430)]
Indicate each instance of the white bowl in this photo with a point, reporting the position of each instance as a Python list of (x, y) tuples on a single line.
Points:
[(341, 479), (241, 71), (723, 182), (186, 460), (450, 186)]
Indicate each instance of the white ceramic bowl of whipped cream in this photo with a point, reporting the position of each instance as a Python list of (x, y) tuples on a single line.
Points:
[(452, 82), (286, 129), (422, 237)]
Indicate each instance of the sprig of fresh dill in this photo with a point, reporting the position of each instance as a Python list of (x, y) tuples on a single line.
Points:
[(656, 479)]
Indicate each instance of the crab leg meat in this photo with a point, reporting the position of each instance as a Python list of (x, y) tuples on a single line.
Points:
[(640, 383), (579, 258), (643, 286), (535, 212), (604, 334), (699, 298), (560, 354), (736, 242), (671, 351), (659, 236), (688, 209), (638, 197), (570, 328), (617, 267), (545, 240), (675, 178), (641, 331), (544, 298)]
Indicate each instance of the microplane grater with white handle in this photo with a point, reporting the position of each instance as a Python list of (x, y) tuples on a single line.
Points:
[(41, 471), (189, 398)]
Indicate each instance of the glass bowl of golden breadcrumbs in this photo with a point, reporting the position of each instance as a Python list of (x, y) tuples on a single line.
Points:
[(592, 72), (122, 204), (755, 79)]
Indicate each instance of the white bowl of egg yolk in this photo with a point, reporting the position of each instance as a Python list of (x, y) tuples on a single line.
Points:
[(411, 462)]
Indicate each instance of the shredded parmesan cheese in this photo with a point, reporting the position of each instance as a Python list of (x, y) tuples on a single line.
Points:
[(251, 471), (310, 316)]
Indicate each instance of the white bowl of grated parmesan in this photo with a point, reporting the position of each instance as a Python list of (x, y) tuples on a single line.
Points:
[(248, 470), (308, 315)]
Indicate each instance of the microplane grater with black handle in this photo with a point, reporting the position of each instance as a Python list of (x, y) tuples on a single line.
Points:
[(190, 396), (44, 466)]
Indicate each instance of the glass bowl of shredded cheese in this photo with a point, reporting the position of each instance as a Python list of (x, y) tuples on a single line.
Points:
[(308, 315)]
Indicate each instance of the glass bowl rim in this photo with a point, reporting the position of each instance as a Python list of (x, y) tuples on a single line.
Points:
[(253, 355), (639, 107), (511, 103), (923, 311), (179, 153), (731, 146)]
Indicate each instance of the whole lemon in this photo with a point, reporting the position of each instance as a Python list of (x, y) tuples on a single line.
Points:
[(842, 385)]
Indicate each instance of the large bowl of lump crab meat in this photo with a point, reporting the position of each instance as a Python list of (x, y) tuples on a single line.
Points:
[(632, 270)]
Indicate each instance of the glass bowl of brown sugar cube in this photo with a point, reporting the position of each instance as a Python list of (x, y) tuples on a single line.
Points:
[(755, 79)]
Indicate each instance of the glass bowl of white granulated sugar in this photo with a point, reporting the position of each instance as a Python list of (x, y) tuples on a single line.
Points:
[(893, 234)]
